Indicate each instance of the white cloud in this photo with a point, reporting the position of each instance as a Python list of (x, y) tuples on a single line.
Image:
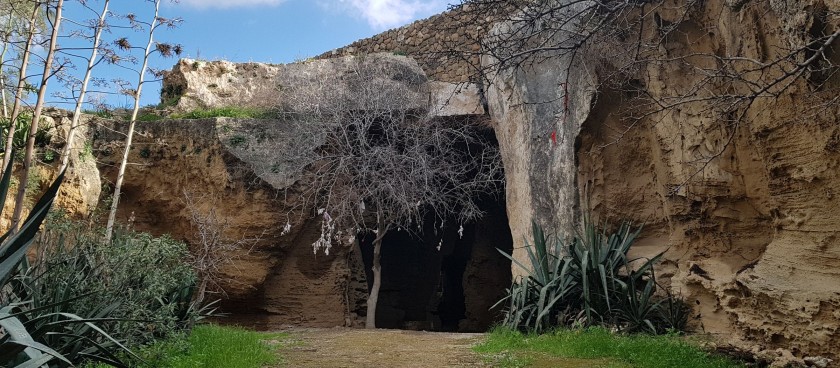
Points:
[(224, 4), (382, 14)]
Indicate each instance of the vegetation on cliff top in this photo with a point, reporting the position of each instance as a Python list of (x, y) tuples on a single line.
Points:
[(227, 112)]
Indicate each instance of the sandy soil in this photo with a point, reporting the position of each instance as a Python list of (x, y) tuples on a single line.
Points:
[(344, 347)]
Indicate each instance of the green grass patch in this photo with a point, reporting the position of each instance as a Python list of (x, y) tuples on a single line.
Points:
[(148, 117), (596, 347), (213, 346), (99, 113), (227, 112)]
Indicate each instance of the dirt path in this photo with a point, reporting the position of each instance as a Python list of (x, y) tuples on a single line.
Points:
[(343, 347)]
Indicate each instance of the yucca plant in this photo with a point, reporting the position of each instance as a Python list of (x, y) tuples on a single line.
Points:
[(35, 332)]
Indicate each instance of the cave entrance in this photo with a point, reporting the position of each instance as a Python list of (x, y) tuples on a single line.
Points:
[(444, 280)]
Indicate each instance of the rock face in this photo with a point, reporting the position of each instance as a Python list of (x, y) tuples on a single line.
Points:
[(201, 85), (751, 236), (237, 167), (82, 184), (218, 163), (79, 195)]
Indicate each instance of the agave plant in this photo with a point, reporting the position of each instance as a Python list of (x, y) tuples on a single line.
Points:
[(598, 259), (534, 301), (636, 307), (35, 332), (590, 277)]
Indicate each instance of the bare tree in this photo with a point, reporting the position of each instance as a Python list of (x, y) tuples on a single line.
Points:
[(151, 48), (47, 74), (9, 13), (381, 163), (80, 99), (17, 26), (19, 92), (213, 250)]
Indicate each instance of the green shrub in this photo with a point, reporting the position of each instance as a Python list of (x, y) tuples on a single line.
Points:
[(589, 281), (102, 113), (49, 155), (148, 116), (35, 328), (87, 152), (24, 122), (237, 140), (148, 276)]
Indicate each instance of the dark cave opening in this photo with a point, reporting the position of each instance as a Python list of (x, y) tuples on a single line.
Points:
[(444, 280)]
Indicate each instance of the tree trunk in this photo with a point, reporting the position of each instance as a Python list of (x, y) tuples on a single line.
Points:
[(6, 31), (112, 215), (10, 138), (36, 117), (71, 134), (373, 297)]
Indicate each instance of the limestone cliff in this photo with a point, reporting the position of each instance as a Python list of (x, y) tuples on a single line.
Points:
[(79, 196), (220, 163), (751, 235), (237, 167), (193, 84)]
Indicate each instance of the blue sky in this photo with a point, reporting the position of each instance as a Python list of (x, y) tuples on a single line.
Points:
[(274, 31)]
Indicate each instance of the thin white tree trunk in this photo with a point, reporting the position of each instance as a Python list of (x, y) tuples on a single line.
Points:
[(36, 117), (77, 113), (373, 297), (6, 32), (112, 215), (7, 157), (3, 94)]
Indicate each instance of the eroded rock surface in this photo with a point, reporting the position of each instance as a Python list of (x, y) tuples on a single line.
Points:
[(201, 85), (751, 236)]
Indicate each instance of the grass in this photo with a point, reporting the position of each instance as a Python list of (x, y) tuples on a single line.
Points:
[(226, 112), (596, 347), (229, 112), (213, 346), (99, 113), (147, 116)]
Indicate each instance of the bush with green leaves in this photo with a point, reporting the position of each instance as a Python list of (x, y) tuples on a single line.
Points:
[(590, 280), (24, 121), (35, 328), (149, 276)]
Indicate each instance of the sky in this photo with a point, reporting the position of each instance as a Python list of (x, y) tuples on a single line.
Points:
[(271, 31)]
